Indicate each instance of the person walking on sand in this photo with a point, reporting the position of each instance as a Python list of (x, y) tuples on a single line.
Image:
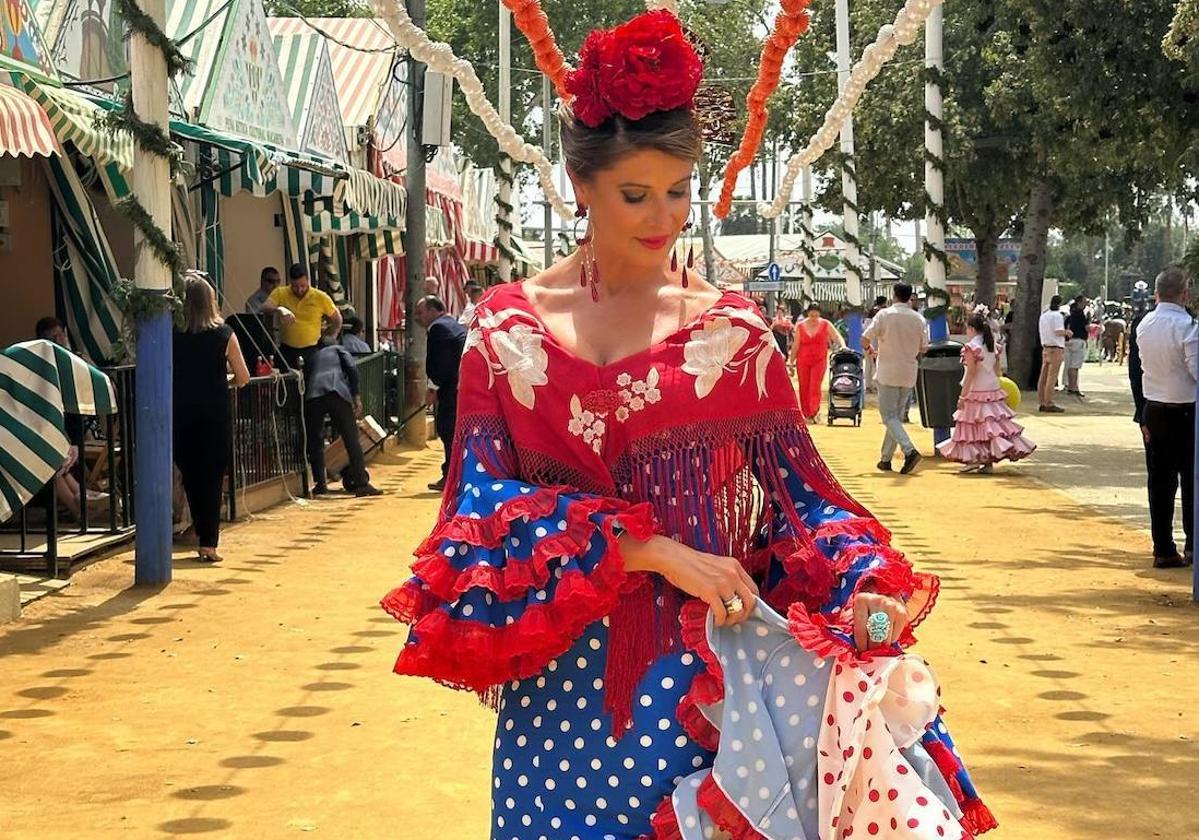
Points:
[(983, 431), (603, 545), (897, 336), (809, 354)]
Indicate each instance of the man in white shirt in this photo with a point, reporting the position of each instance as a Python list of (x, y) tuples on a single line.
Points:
[(1052, 327), (474, 293), (898, 336), (1168, 342)]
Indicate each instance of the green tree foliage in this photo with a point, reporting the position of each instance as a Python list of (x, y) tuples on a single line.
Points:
[(1057, 114)]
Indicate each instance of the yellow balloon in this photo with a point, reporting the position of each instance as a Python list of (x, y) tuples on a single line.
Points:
[(1012, 391)]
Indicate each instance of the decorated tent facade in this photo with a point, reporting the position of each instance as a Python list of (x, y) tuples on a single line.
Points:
[(52, 229), (371, 80)]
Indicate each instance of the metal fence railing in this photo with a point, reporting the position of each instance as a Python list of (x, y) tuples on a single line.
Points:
[(267, 445), (268, 435), (97, 491), (372, 385)]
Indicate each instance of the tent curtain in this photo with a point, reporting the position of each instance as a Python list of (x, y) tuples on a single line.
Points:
[(85, 271), (295, 240), (183, 228), (213, 240)]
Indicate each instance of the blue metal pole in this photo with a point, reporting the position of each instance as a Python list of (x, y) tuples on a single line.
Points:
[(153, 459), (938, 330), (1195, 513), (854, 322)]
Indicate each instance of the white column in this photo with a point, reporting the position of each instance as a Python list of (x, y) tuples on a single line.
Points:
[(504, 186), (934, 178), (807, 245), (849, 185)]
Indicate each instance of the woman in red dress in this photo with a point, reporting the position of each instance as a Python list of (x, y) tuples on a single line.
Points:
[(629, 459), (809, 353)]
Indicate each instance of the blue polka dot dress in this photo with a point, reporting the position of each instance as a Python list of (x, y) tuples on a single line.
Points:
[(521, 594), (559, 773)]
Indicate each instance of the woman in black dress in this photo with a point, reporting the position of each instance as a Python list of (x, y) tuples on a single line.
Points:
[(206, 351)]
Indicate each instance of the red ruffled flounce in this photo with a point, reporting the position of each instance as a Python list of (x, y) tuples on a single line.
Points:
[(473, 655)]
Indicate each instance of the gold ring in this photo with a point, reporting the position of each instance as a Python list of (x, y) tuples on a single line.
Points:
[(733, 605)]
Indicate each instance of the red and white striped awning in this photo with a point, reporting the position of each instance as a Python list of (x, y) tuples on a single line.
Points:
[(478, 251), (24, 127)]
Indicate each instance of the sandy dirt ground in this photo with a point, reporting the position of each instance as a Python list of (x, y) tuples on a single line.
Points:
[(255, 699)]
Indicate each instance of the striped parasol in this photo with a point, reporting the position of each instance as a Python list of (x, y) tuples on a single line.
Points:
[(41, 381)]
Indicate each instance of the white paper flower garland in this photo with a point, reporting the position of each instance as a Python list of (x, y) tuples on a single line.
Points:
[(440, 57), (905, 30)]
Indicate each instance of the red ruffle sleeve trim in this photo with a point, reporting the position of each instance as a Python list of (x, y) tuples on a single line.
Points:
[(517, 577), (976, 816), (708, 685), (709, 797), (472, 655), (811, 576)]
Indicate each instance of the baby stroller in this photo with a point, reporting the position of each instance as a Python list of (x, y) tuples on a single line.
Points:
[(845, 387)]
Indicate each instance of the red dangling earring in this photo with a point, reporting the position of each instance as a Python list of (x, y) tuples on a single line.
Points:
[(588, 273), (690, 256)]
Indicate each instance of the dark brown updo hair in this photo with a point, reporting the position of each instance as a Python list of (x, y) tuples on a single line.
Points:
[(983, 327), (591, 150)]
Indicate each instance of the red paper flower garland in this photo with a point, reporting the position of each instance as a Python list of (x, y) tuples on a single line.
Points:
[(788, 26), (530, 19)]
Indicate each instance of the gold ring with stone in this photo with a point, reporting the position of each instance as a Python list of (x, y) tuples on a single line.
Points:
[(733, 605)]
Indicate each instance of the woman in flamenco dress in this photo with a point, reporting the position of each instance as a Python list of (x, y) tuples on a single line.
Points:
[(630, 462)]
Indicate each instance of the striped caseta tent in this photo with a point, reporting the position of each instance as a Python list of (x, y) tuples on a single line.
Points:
[(24, 128), (41, 382)]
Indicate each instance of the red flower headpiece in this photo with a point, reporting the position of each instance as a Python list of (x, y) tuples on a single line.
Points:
[(640, 67)]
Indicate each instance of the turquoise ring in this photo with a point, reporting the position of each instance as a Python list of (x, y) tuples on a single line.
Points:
[(878, 627)]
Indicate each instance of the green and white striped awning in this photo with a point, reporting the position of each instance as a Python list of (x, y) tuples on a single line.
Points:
[(73, 118), (376, 246), (42, 382)]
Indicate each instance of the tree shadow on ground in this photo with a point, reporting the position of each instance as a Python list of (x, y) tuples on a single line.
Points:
[(50, 631)]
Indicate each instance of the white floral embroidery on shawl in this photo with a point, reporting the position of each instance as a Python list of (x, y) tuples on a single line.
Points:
[(634, 396), (719, 346), (515, 352)]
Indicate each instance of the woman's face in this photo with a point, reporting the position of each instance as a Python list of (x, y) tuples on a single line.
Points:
[(813, 315), (638, 207)]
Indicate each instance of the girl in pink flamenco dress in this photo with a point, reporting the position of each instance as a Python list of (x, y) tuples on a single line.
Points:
[(984, 431)]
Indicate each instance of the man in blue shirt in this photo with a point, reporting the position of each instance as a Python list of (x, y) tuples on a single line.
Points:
[(332, 391)]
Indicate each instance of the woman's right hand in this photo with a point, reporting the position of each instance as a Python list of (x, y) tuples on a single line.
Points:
[(709, 577)]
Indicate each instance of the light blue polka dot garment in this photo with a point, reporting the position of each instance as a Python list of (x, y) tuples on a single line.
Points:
[(769, 721)]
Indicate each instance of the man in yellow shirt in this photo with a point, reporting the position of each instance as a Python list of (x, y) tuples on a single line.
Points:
[(301, 309)]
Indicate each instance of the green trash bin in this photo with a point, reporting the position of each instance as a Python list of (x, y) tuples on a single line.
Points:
[(939, 384)]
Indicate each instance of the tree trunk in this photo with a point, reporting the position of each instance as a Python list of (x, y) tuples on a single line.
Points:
[(705, 222), (1030, 280), (986, 243)]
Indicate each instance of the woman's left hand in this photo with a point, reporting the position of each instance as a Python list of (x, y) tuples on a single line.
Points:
[(865, 603)]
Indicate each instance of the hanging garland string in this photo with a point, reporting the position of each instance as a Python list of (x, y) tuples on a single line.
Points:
[(903, 31), (137, 303)]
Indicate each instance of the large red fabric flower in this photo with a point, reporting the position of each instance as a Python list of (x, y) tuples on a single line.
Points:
[(640, 67)]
